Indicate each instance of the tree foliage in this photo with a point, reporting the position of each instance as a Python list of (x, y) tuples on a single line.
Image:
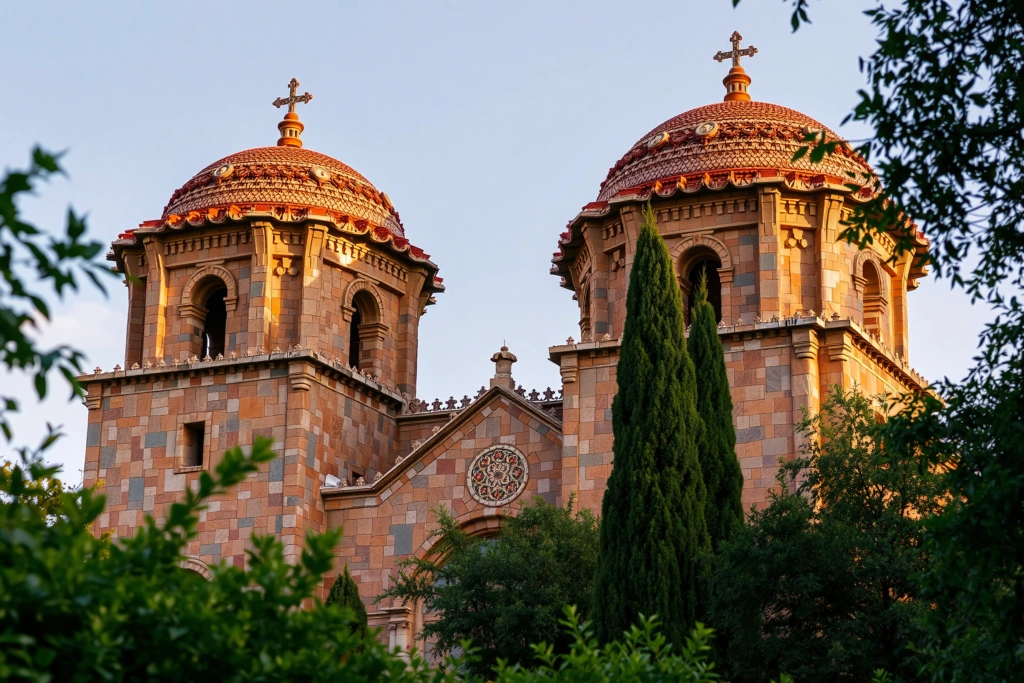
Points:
[(507, 592), (345, 594), (821, 584), (653, 532), (78, 608), (956, 68), (33, 262), (721, 471), (640, 654)]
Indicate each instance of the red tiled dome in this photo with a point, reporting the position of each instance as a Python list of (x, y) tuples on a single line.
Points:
[(285, 175), (750, 136)]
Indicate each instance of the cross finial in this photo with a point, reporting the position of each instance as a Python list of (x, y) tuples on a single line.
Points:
[(735, 53), (737, 81), (292, 98), (291, 128)]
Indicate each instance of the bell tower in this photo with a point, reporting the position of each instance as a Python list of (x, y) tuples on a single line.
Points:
[(277, 295), (799, 308)]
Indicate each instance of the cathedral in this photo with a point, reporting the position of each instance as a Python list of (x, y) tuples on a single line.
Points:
[(278, 294)]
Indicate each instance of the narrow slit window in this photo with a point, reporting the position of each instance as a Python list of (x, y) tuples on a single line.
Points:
[(354, 351), (215, 325), (193, 443)]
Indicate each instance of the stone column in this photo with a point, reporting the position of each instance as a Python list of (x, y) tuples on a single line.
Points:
[(260, 294), (805, 383), (135, 336), (156, 297), (410, 308), (830, 255), (768, 253), (400, 629), (600, 320), (311, 333)]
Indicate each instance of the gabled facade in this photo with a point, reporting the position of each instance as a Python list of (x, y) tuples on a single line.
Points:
[(278, 295)]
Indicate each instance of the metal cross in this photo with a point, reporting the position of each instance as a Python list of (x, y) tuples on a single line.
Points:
[(736, 52), (292, 98)]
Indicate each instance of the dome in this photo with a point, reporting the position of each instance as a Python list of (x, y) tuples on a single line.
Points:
[(737, 135), (285, 175)]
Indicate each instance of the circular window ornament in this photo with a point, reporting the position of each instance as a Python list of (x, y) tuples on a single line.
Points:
[(656, 141), (320, 173), (708, 129), (497, 475), (223, 171)]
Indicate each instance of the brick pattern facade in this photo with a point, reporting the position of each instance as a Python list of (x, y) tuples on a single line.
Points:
[(801, 310)]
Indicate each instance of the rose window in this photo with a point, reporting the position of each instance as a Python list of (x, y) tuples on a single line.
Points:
[(497, 475)]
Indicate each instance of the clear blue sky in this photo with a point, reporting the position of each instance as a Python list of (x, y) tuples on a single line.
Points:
[(488, 124)]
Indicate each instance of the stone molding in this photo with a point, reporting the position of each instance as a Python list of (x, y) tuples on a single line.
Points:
[(195, 309), (353, 288), (198, 566)]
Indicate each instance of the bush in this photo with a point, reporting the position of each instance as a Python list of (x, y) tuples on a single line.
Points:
[(643, 654), (78, 608)]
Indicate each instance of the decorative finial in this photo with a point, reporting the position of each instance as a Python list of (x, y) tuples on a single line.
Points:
[(503, 361), (291, 128), (737, 81)]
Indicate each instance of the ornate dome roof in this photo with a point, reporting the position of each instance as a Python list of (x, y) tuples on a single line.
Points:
[(285, 175), (752, 138)]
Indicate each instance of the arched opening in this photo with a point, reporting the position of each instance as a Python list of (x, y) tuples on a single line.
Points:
[(709, 266), (874, 303), (215, 323), (365, 339), (354, 347)]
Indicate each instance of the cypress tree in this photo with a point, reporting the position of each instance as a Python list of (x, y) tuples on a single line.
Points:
[(723, 477), (653, 531), (345, 593)]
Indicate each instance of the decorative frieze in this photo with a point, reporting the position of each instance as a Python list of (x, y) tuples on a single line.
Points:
[(343, 252), (205, 242)]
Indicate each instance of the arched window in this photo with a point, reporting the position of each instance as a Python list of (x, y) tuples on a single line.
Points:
[(363, 331), (354, 351), (874, 298), (709, 266), (215, 324)]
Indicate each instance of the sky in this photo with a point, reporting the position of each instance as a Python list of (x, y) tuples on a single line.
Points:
[(489, 125)]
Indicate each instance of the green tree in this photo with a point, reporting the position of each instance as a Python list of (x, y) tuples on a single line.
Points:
[(32, 261), (507, 592), (653, 532), (78, 608), (345, 594), (821, 585), (723, 477), (956, 68)]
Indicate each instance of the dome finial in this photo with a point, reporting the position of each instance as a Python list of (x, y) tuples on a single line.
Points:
[(737, 81), (291, 128)]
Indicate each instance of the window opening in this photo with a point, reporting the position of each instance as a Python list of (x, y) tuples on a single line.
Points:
[(354, 350), (194, 440), (215, 325), (873, 305), (710, 267)]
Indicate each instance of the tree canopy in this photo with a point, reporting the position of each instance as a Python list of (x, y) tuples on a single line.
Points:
[(504, 593), (821, 585), (944, 99)]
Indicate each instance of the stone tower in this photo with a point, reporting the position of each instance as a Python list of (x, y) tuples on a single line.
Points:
[(799, 309), (276, 295)]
